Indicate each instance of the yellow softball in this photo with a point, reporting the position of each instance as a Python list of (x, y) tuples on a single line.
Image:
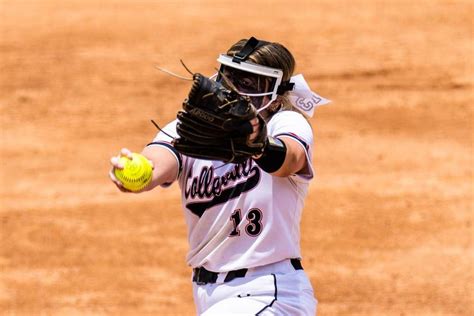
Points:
[(136, 173)]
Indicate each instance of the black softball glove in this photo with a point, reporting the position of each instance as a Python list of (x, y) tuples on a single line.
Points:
[(215, 124)]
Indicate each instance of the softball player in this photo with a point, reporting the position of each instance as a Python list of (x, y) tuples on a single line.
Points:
[(244, 219)]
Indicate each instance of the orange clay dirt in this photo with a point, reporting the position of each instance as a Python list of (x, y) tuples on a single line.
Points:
[(387, 227)]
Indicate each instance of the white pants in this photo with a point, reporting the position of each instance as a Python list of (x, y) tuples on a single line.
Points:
[(275, 289)]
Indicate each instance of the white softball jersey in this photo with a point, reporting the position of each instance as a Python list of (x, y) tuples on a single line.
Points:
[(238, 216)]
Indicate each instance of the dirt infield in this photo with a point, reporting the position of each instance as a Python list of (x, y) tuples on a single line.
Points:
[(387, 228)]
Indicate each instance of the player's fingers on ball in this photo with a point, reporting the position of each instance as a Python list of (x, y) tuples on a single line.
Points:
[(117, 183), (126, 153), (121, 188), (114, 179), (115, 162)]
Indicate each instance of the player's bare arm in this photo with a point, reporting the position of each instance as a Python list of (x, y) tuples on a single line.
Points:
[(165, 165), (295, 159)]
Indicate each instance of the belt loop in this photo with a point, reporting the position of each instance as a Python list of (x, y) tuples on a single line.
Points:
[(296, 263), (221, 277)]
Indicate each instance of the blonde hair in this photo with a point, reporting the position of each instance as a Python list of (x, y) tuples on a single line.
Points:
[(272, 55)]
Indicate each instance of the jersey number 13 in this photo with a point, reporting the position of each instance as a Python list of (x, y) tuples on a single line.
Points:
[(253, 226)]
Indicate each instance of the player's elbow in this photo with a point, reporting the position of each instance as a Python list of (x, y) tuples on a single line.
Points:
[(295, 160), (291, 166)]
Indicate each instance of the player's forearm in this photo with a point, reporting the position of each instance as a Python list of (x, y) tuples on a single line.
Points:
[(165, 166)]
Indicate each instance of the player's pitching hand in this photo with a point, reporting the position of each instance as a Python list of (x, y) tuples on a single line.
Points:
[(131, 172)]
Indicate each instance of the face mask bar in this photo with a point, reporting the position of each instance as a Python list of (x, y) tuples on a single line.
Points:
[(273, 75), (217, 77)]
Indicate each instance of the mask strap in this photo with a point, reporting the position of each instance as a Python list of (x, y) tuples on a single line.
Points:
[(249, 47), (285, 86)]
